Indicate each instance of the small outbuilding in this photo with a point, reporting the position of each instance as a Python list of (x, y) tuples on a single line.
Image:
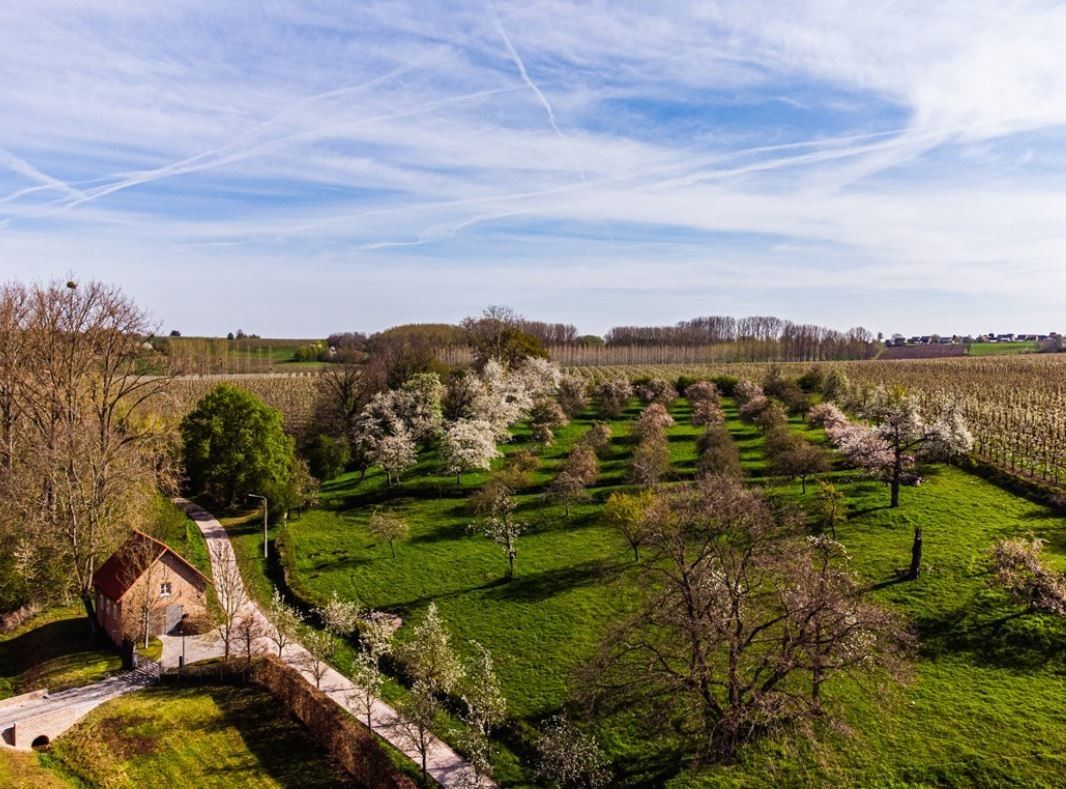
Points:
[(145, 589)]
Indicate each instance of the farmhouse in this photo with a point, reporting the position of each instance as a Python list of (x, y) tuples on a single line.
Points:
[(145, 588)]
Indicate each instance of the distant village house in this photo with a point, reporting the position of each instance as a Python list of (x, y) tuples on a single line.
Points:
[(145, 589)]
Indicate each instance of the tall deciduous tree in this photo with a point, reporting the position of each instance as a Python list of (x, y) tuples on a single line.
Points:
[(234, 445), (745, 622), (81, 458), (901, 437), (468, 445)]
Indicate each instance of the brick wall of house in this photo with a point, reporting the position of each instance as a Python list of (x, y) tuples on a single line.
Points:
[(186, 590), (122, 617)]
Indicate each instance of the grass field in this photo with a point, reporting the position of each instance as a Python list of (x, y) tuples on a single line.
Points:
[(21, 770), (54, 650), (203, 737), (984, 675), (1001, 348)]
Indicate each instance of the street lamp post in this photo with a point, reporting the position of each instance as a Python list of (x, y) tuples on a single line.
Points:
[(264, 498)]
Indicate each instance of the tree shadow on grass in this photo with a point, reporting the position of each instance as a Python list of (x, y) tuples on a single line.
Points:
[(535, 587), (54, 647), (281, 745), (454, 531), (992, 632)]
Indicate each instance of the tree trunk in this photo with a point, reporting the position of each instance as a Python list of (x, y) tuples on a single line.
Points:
[(897, 474), (90, 612), (636, 552), (393, 549), (916, 555)]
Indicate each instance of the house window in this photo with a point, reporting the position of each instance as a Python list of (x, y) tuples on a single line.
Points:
[(164, 589)]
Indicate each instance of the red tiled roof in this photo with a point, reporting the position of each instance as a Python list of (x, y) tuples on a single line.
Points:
[(128, 563)]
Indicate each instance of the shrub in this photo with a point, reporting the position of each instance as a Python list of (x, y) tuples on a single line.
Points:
[(326, 456)]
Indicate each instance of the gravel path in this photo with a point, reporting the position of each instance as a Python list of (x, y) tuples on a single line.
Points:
[(445, 766)]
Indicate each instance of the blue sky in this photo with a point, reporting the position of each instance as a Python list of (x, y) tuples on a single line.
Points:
[(298, 168)]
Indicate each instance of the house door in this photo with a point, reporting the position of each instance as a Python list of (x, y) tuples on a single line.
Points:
[(172, 617)]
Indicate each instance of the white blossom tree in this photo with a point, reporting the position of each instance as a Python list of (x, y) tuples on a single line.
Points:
[(497, 502), (653, 422), (485, 710), (418, 404), (570, 757), (900, 437), (396, 453), (368, 679), (318, 646), (340, 618), (572, 395), (905, 433), (468, 445), (284, 621), (429, 654)]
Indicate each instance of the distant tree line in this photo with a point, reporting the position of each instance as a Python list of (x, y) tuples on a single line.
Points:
[(793, 341)]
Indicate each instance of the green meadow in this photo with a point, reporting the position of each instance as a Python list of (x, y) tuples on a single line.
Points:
[(982, 704)]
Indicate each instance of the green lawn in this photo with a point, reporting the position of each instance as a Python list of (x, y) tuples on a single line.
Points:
[(173, 527), (984, 706), (204, 737), (1000, 348), (22, 770), (54, 650)]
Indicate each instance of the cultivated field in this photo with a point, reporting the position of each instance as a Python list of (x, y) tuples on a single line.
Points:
[(1014, 405)]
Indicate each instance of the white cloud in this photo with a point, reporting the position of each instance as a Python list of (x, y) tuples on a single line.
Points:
[(542, 147)]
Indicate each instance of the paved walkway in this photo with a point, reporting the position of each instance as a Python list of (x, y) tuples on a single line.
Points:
[(445, 766), (51, 714)]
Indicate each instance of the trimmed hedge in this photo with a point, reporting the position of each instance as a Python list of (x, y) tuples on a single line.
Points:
[(354, 747)]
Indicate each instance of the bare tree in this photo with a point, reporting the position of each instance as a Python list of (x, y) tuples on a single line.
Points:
[(230, 591), (143, 576), (743, 615), (247, 630), (73, 406)]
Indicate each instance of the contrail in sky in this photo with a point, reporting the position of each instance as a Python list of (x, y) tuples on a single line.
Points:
[(532, 85)]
